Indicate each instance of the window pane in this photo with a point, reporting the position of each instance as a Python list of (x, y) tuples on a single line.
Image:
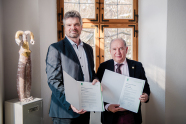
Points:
[(129, 52), (87, 1), (112, 33), (118, 9), (125, 1), (69, 6), (126, 34), (110, 2), (87, 10), (71, 1), (110, 12), (87, 36), (124, 11), (108, 36), (85, 7)]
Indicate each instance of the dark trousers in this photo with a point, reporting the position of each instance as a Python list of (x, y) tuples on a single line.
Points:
[(82, 119), (125, 117)]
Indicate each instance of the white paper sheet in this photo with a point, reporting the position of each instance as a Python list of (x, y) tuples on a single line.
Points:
[(130, 94), (91, 98), (112, 84), (123, 90), (83, 95), (71, 90)]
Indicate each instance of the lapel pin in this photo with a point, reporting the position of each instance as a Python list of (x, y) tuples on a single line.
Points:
[(132, 67)]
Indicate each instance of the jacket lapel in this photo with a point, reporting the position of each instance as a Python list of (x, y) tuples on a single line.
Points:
[(70, 54), (111, 65), (71, 51), (131, 67)]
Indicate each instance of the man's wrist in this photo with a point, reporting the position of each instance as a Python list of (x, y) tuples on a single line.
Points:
[(107, 106)]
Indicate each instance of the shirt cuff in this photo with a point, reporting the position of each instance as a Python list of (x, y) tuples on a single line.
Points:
[(106, 107)]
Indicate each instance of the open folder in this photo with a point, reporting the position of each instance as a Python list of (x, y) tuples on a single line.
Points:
[(123, 90), (83, 95)]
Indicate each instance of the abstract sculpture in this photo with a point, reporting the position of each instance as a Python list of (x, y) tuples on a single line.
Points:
[(24, 66)]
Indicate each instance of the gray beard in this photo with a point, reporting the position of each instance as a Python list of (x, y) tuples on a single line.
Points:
[(74, 36)]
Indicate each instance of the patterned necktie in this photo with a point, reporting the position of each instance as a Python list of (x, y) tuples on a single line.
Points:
[(118, 70)]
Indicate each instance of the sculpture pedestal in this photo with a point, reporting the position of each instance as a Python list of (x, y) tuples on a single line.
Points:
[(17, 112)]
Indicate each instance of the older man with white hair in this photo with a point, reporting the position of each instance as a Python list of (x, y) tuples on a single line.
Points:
[(114, 114)]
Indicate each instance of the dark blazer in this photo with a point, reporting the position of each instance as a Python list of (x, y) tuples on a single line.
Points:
[(135, 70), (62, 56)]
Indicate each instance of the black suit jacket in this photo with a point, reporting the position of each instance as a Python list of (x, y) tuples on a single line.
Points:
[(62, 56), (136, 70)]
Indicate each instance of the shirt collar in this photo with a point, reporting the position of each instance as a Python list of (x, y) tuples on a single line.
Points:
[(124, 62), (73, 43)]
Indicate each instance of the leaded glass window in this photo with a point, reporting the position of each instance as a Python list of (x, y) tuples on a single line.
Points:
[(85, 7), (104, 20), (118, 9)]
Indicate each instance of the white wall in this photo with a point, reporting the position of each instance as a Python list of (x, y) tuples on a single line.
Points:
[(152, 53), (48, 35), (37, 16), (1, 66), (20, 15), (175, 106)]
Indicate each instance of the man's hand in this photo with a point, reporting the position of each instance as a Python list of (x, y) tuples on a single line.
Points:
[(77, 111), (144, 97), (122, 109), (94, 82), (115, 107)]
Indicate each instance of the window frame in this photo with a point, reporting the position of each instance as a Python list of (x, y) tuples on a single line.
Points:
[(99, 22)]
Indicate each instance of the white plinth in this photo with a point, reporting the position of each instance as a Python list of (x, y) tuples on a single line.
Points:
[(17, 112)]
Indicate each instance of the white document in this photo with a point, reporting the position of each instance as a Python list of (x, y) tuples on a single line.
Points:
[(123, 90), (83, 95)]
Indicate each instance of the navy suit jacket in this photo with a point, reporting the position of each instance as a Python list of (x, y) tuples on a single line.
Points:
[(62, 56), (136, 70)]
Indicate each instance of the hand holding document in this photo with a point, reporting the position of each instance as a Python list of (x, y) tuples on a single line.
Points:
[(83, 95), (123, 90)]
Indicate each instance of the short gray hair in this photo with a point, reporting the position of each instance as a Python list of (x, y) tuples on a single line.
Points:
[(118, 39), (72, 14)]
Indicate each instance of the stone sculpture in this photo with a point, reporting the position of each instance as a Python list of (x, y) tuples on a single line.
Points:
[(24, 66)]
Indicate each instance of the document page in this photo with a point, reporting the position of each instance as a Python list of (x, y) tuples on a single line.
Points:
[(91, 97), (130, 94), (112, 84), (71, 90), (83, 95), (123, 90)]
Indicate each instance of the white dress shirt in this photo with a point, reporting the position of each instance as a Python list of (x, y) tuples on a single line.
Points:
[(124, 71), (82, 58)]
